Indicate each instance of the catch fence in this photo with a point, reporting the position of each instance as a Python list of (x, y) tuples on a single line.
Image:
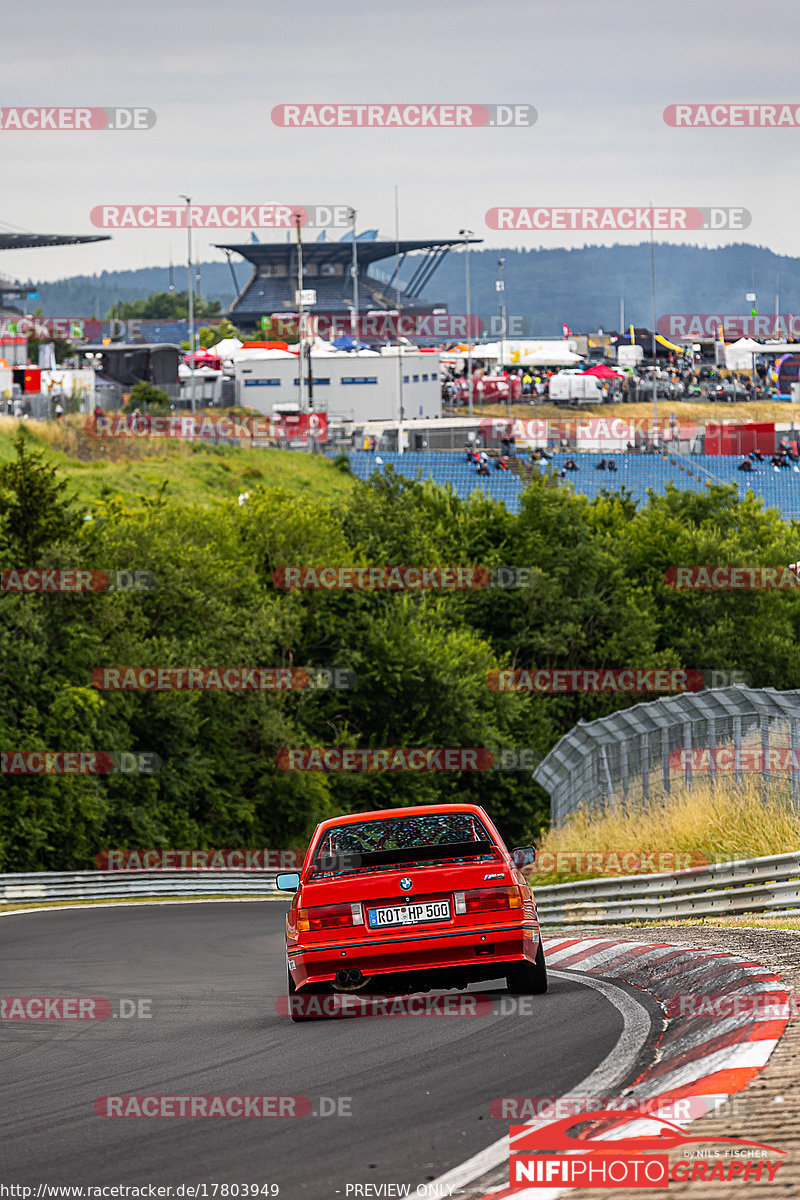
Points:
[(637, 755)]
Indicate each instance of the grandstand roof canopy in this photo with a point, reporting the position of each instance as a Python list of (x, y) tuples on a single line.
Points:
[(260, 253), (28, 241)]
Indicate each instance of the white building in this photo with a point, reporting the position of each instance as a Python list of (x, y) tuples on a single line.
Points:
[(347, 385)]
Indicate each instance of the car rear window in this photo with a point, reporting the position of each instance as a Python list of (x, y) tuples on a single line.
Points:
[(385, 842)]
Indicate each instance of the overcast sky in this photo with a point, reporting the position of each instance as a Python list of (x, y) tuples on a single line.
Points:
[(598, 73)]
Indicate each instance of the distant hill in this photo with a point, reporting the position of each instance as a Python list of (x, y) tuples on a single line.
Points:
[(546, 287)]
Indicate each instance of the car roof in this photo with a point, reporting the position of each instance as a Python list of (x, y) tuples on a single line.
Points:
[(418, 810)]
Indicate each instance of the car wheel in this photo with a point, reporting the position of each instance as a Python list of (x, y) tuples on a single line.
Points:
[(529, 979), (292, 992)]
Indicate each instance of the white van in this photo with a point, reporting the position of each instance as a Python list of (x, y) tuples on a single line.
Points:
[(576, 388)]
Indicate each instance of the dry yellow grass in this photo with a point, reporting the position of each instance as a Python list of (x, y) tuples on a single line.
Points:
[(687, 412), (722, 823)]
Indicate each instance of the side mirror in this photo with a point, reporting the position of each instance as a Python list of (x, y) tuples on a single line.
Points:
[(523, 856), (288, 882)]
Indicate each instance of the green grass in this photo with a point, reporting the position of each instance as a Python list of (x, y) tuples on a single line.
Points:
[(194, 474)]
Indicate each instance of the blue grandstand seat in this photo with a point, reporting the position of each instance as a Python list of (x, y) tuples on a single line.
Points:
[(637, 473)]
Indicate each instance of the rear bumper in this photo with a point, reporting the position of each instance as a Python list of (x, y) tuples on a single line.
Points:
[(472, 954)]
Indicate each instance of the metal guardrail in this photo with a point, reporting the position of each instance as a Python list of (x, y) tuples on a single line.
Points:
[(115, 885), (757, 885)]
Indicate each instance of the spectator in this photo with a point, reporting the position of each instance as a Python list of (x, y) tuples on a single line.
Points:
[(570, 465), (59, 410), (746, 464), (601, 466), (612, 466)]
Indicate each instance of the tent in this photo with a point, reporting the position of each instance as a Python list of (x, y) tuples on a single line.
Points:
[(347, 343), (739, 355), (602, 371), (530, 354), (227, 346), (203, 358)]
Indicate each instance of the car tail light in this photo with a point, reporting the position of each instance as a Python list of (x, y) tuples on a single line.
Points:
[(329, 916), (488, 899)]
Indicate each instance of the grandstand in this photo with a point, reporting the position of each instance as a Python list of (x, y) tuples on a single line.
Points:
[(638, 473), (326, 270)]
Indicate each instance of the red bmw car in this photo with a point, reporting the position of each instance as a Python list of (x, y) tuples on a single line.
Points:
[(411, 899)]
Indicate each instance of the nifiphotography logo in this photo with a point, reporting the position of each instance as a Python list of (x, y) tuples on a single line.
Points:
[(548, 1156)]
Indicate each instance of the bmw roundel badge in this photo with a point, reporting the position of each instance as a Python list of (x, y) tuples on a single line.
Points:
[(406, 884)]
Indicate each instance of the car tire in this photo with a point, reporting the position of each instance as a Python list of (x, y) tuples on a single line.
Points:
[(529, 979), (291, 991)]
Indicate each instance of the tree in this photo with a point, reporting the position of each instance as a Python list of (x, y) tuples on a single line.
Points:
[(61, 348), (34, 511), (208, 335), (163, 306), (149, 398)]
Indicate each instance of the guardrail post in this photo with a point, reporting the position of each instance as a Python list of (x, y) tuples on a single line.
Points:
[(737, 751), (687, 757), (712, 746), (794, 735), (623, 769), (644, 744)]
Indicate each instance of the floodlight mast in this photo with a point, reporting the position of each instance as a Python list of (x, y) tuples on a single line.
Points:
[(188, 200), (467, 234)]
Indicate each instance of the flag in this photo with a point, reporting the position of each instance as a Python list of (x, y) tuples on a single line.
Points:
[(633, 339), (565, 330)]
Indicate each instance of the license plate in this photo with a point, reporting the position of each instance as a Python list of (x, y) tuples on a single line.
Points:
[(409, 914)]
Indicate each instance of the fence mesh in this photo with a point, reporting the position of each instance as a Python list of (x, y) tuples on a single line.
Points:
[(640, 753)]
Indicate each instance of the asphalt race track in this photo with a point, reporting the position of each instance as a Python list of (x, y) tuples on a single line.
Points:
[(419, 1088)]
